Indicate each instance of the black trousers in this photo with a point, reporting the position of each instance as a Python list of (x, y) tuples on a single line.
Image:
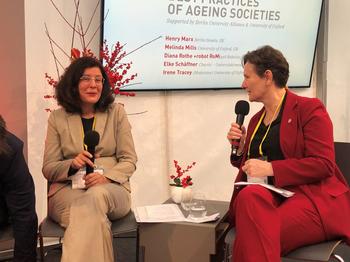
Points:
[(19, 211), (17, 202)]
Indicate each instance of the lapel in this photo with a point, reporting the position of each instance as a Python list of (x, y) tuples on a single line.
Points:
[(101, 120), (289, 126), (75, 130)]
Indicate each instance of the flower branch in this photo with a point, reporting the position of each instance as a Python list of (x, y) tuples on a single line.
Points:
[(179, 179), (116, 69)]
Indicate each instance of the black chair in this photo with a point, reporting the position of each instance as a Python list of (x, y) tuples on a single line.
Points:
[(322, 252), (342, 153), (6, 242), (125, 227)]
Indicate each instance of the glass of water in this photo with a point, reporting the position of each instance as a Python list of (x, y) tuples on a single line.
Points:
[(198, 208), (186, 198)]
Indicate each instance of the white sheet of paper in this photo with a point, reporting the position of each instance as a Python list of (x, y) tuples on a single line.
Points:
[(167, 213), (278, 190), (212, 217), (159, 213)]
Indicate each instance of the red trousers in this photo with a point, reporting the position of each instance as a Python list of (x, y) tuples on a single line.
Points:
[(268, 225)]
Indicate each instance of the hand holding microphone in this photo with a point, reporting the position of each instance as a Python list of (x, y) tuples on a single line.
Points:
[(81, 160), (91, 140), (87, 158), (236, 135)]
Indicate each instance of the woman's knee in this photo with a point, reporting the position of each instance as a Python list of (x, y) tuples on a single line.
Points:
[(253, 192), (113, 199), (97, 192), (253, 197)]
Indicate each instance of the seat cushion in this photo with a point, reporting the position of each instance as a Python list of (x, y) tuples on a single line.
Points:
[(6, 238)]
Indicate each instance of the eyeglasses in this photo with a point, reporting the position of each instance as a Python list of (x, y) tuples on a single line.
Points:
[(87, 79)]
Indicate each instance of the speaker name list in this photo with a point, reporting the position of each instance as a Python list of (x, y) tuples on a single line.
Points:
[(185, 49)]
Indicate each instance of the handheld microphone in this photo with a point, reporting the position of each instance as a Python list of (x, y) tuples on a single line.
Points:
[(91, 140), (241, 110)]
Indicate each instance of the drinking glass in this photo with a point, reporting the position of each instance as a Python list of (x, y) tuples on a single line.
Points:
[(186, 198), (198, 207)]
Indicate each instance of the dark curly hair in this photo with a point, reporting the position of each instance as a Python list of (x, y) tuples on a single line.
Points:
[(269, 58), (4, 147), (67, 92)]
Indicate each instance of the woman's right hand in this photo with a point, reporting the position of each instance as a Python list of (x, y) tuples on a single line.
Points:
[(237, 133), (81, 160)]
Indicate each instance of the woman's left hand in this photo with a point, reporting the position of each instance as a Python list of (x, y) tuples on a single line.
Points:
[(257, 168), (95, 178)]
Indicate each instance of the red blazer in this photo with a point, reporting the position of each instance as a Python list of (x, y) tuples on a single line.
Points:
[(306, 139)]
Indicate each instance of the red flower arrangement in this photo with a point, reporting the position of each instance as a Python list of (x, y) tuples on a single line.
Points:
[(178, 180), (115, 69)]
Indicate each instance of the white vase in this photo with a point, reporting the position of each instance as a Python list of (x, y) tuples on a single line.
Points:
[(180, 193)]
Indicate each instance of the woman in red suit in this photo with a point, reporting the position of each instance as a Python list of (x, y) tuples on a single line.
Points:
[(289, 144)]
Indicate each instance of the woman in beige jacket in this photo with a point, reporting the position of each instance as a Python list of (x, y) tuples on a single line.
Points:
[(87, 104)]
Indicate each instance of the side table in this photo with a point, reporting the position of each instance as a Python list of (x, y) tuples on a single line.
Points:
[(183, 241)]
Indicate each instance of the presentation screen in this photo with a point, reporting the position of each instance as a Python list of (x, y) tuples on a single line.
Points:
[(199, 44)]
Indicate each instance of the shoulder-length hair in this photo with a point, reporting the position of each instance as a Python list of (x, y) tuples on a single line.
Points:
[(67, 91), (4, 147), (269, 58)]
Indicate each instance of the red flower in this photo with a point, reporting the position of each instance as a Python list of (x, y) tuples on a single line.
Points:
[(177, 180), (74, 53), (187, 181)]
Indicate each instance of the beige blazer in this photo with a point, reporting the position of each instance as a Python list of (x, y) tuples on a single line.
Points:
[(64, 141)]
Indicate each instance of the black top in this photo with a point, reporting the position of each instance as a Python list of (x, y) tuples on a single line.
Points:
[(87, 126), (271, 147)]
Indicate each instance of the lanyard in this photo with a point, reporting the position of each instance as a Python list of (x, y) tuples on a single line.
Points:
[(268, 128), (83, 133)]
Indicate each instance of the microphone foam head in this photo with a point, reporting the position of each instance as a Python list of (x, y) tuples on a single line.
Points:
[(242, 107), (91, 138)]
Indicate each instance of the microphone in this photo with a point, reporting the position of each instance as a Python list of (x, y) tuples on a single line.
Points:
[(241, 110), (91, 140)]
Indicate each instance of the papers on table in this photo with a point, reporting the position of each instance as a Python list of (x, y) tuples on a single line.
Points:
[(278, 190), (159, 213), (167, 213), (212, 217)]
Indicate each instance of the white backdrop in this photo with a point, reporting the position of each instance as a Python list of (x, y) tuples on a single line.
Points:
[(338, 69), (185, 125)]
